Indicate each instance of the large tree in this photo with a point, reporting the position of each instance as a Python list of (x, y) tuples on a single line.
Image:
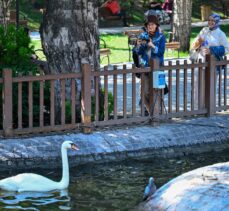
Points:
[(70, 35), (4, 8), (70, 38), (182, 17)]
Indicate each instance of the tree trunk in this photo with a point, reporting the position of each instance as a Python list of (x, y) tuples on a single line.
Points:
[(4, 8), (70, 35), (182, 18), (70, 38)]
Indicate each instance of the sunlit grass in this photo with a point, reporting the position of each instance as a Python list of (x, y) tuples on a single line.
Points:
[(118, 44)]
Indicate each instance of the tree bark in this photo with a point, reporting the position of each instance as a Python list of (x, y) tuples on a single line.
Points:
[(4, 8), (70, 38), (70, 35), (182, 18)]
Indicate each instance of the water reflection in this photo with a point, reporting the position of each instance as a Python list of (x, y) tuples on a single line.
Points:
[(35, 200), (109, 186)]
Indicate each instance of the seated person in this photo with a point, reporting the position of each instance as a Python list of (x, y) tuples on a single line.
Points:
[(114, 8), (168, 7), (155, 9)]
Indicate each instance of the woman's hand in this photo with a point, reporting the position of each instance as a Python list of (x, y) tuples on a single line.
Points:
[(139, 41), (206, 51), (150, 44)]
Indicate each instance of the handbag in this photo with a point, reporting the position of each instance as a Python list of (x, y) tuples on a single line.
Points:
[(193, 55)]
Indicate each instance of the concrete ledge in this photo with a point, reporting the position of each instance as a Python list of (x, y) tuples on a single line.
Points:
[(167, 140)]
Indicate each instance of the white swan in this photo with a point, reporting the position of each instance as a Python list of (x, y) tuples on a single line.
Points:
[(35, 182)]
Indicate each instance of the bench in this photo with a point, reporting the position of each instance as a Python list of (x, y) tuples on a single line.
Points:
[(132, 38), (173, 46), (13, 18), (106, 18), (104, 52)]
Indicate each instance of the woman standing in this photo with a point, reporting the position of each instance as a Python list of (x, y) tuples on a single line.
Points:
[(150, 45)]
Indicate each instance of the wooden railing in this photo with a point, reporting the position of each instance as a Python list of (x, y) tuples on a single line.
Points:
[(110, 97)]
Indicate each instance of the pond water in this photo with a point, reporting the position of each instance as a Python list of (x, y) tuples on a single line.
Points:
[(110, 186)]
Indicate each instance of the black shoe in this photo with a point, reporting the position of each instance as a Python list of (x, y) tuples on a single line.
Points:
[(146, 113)]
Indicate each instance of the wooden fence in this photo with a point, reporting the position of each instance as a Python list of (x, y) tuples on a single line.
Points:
[(110, 97)]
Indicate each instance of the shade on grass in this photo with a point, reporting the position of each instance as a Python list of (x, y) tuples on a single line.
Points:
[(118, 44)]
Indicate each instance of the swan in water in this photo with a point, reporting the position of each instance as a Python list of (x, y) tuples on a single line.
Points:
[(36, 182)]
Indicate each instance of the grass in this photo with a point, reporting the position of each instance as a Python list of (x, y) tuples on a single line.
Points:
[(120, 51), (118, 45), (28, 12)]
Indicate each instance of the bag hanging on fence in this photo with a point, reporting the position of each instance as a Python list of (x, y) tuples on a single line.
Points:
[(193, 55)]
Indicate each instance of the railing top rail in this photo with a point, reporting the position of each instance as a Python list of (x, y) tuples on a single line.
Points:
[(183, 66), (47, 77), (121, 71), (223, 62)]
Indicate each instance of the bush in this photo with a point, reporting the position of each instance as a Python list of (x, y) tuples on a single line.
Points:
[(15, 53), (16, 50), (101, 105)]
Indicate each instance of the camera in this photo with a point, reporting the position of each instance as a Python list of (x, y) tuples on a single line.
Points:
[(144, 37)]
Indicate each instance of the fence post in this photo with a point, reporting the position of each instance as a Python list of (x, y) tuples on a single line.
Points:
[(86, 98), (7, 102), (210, 85), (154, 94)]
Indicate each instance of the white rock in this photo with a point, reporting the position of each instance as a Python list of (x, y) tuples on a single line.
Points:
[(202, 189)]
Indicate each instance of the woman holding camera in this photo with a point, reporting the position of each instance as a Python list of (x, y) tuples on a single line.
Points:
[(150, 45)]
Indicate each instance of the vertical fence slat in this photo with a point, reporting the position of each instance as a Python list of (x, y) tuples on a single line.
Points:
[(185, 87), (30, 102), (170, 99), (115, 94), (192, 88), (210, 85), (154, 94), (177, 88), (220, 86), (133, 94), (52, 103), (86, 98), (106, 95), (63, 103), (225, 85), (97, 98), (142, 94), (124, 93), (73, 101), (7, 102), (41, 104), (19, 113), (201, 88)]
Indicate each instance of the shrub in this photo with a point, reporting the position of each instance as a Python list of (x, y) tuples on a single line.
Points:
[(101, 105), (16, 50), (15, 53)]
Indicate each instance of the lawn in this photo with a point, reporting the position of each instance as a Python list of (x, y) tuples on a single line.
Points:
[(119, 48)]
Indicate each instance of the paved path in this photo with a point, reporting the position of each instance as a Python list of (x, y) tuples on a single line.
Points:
[(120, 30), (164, 140)]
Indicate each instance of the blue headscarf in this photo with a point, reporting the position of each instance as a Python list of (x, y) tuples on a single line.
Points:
[(216, 18)]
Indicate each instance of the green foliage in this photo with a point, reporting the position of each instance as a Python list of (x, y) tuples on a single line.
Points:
[(101, 105), (16, 50), (15, 54)]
